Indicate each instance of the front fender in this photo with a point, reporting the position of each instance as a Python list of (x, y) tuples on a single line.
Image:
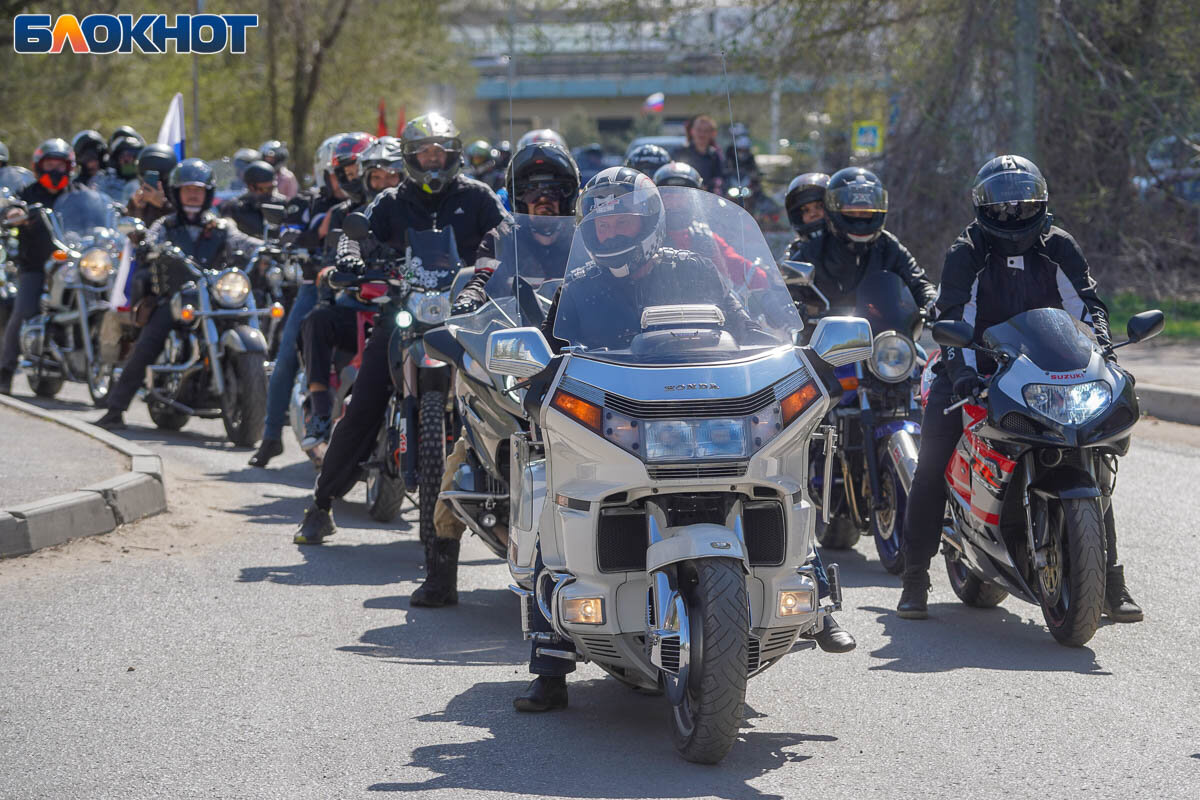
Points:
[(1065, 483), (243, 339), (690, 542)]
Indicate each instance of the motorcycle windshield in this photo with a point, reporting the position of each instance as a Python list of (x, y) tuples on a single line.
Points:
[(1049, 337), (885, 301), (432, 259), (530, 259), (632, 298), (80, 213), (15, 178)]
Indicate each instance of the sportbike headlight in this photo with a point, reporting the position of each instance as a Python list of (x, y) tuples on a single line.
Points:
[(893, 357), (95, 266), (431, 308), (1069, 404), (231, 288)]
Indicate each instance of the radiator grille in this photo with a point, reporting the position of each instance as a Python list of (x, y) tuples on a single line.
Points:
[(766, 533), (729, 469), (621, 541), (1019, 423), (670, 653), (601, 646)]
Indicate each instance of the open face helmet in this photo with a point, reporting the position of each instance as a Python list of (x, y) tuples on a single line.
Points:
[(53, 180)]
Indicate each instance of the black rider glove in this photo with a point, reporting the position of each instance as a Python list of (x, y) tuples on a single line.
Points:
[(472, 295), (969, 385), (349, 263)]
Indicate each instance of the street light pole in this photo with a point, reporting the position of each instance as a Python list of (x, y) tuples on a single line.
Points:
[(196, 92)]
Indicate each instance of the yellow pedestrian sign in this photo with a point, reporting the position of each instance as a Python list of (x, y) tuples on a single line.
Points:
[(868, 137)]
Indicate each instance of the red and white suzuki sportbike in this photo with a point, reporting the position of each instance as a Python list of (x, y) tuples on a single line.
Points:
[(1034, 472)]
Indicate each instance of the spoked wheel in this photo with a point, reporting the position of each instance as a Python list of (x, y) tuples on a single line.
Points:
[(244, 405), (1071, 583), (385, 491), (887, 523), (704, 724), (99, 374), (431, 456)]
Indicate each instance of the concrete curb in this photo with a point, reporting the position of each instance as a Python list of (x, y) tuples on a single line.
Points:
[(95, 509), (1169, 403)]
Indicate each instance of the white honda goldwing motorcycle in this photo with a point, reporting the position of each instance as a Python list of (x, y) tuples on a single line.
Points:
[(664, 476)]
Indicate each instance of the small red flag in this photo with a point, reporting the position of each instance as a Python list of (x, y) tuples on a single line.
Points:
[(400, 122), (381, 129)]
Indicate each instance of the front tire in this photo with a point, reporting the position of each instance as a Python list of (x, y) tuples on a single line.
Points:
[(705, 723), (1072, 606), (431, 458), (838, 534), (244, 406), (887, 523), (385, 493), (99, 374), (969, 588)]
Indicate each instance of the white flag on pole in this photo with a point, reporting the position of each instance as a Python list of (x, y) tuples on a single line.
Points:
[(172, 131), (119, 297)]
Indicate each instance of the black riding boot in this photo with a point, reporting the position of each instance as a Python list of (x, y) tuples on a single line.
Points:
[(914, 596), (441, 575), (1118, 604)]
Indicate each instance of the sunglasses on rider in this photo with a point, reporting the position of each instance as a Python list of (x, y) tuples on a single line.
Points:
[(556, 190)]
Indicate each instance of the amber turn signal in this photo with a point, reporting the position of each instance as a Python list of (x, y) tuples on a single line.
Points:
[(794, 404), (277, 311), (578, 409)]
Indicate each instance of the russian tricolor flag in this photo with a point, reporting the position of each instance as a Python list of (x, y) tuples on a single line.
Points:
[(654, 102), (171, 132)]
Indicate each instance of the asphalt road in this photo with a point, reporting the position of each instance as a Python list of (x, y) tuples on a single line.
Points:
[(201, 654)]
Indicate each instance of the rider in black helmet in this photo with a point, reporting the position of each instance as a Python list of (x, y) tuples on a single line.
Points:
[(1010, 259), (90, 154), (149, 203), (275, 153), (805, 205), (647, 159), (246, 209)]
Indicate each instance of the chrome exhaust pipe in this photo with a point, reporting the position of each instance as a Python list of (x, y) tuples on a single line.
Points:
[(902, 448)]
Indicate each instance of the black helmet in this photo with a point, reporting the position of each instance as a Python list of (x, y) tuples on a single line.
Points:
[(191, 172), (118, 146), (432, 129), (243, 158), (156, 158), (542, 168), (274, 152), (855, 189), (89, 141), (503, 154), (3, 154), (678, 173), (347, 151), (542, 135), (1010, 200), (258, 172), (480, 157), (53, 148), (124, 130), (385, 153), (621, 190), (647, 158), (804, 189)]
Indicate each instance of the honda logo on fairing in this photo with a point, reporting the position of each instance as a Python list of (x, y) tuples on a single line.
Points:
[(679, 387)]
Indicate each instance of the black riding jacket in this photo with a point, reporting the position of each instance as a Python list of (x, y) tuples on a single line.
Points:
[(246, 211), (984, 288), (840, 270), (34, 240)]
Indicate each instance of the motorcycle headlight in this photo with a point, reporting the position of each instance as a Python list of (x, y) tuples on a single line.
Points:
[(678, 440), (1069, 404), (893, 357), (431, 308), (404, 318), (231, 288), (95, 266)]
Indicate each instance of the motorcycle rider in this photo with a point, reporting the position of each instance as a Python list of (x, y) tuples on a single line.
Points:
[(805, 205), (545, 183), (200, 234), (433, 193), (647, 159), (149, 203), (90, 153), (1010, 259), (329, 327), (548, 135), (701, 151), (275, 153), (382, 166), (120, 181), (246, 209), (306, 211), (857, 244), (52, 163)]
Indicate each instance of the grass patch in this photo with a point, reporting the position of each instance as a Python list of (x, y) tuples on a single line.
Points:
[(1183, 316)]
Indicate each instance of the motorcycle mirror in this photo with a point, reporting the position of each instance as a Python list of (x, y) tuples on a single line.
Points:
[(953, 333), (519, 352), (842, 340), (130, 225), (798, 273), (290, 236), (356, 226), (272, 213), (1145, 325)]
